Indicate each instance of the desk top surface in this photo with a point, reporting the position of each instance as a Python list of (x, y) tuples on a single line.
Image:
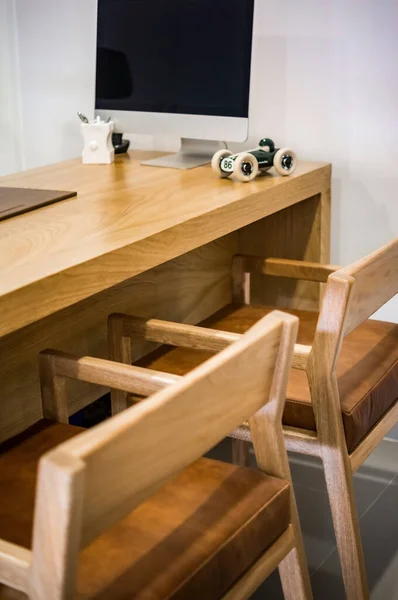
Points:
[(124, 213)]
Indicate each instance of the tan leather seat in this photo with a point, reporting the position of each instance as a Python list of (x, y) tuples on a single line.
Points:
[(191, 540), (19, 459), (367, 369)]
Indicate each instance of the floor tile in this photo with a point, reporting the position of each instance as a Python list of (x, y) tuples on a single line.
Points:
[(376, 490), (327, 582), (367, 488), (370, 480), (307, 471), (316, 525), (384, 460), (379, 531), (271, 589), (223, 451)]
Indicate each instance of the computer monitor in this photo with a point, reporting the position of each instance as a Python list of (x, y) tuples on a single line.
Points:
[(179, 67)]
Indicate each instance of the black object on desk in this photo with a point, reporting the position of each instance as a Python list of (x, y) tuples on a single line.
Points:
[(16, 201), (121, 146)]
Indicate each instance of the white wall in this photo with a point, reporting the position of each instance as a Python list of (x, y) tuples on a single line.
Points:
[(325, 82), (56, 45), (10, 124)]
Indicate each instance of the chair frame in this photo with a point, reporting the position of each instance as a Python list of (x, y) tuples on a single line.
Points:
[(350, 296), (74, 505)]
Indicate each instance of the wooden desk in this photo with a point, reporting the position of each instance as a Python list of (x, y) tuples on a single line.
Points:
[(144, 240)]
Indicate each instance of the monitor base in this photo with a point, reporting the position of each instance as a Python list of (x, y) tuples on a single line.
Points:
[(193, 153)]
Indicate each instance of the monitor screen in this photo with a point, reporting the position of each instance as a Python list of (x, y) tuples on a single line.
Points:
[(174, 56)]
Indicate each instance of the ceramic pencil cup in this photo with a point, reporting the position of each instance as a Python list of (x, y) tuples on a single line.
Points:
[(98, 148)]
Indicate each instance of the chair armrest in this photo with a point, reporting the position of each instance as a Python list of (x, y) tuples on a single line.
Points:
[(128, 378), (283, 267), (174, 334)]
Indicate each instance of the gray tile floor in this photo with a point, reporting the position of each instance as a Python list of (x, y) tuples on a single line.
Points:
[(376, 490)]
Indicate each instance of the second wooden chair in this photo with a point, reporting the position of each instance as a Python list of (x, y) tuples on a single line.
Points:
[(342, 396)]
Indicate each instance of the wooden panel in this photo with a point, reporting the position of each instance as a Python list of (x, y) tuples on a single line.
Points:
[(125, 220), (300, 232), (187, 289)]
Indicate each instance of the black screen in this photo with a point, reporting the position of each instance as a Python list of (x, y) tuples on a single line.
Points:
[(174, 56)]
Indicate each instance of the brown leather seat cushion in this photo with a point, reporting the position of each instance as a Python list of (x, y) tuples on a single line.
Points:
[(367, 369), (192, 539), (19, 457)]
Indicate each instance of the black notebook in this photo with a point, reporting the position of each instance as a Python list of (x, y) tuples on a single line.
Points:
[(16, 201)]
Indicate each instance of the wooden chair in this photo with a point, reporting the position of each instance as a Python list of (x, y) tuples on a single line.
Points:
[(123, 511), (343, 388)]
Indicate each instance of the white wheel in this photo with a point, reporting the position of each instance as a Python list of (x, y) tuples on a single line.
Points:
[(285, 161), (217, 158), (245, 167)]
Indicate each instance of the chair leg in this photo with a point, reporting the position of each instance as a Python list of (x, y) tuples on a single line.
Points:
[(340, 487), (240, 452), (293, 570)]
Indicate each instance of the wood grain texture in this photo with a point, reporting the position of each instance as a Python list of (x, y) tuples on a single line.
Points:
[(324, 221), (321, 370), (300, 356), (296, 440), (240, 448), (134, 380), (268, 443), (301, 441), (243, 267), (123, 329), (14, 565), (53, 390), (57, 527), (299, 233), (266, 424), (119, 346), (292, 269), (187, 289), (77, 499), (352, 294), (125, 220), (176, 334), (174, 416)]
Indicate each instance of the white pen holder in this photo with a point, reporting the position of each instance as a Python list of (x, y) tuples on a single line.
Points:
[(98, 148)]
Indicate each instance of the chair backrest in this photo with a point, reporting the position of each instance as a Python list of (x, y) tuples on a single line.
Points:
[(374, 281), (90, 482), (352, 295)]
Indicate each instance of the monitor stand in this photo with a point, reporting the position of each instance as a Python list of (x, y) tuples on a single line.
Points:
[(192, 153)]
